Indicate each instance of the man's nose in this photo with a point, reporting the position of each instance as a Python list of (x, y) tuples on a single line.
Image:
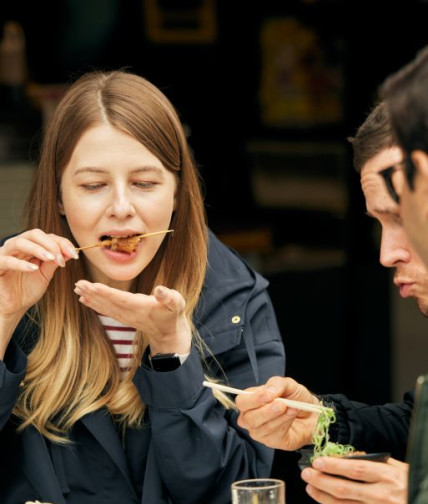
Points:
[(393, 250)]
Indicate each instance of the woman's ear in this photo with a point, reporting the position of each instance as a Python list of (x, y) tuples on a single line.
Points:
[(61, 208), (177, 182)]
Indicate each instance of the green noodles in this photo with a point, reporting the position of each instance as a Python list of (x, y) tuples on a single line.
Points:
[(321, 438)]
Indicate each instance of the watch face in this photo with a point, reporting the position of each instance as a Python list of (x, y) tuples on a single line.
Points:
[(165, 362)]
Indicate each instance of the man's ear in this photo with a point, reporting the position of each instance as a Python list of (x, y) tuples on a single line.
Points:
[(420, 159)]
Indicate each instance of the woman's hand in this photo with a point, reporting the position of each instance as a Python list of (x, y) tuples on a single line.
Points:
[(161, 316), (369, 482), (27, 264), (273, 423)]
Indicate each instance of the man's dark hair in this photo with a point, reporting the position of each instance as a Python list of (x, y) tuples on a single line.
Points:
[(373, 136), (406, 95)]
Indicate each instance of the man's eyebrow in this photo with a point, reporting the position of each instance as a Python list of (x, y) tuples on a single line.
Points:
[(140, 169)]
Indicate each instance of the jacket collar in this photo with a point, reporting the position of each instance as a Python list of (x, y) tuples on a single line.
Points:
[(101, 426), (40, 472)]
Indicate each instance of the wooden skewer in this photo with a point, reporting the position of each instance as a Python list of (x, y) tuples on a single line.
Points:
[(313, 408), (101, 243)]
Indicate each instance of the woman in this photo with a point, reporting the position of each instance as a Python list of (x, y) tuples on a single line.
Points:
[(101, 396)]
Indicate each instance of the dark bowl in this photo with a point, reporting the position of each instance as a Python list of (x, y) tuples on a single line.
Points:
[(375, 457), (305, 457), (306, 454)]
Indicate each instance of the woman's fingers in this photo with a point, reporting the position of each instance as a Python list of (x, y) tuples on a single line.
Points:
[(39, 245), (161, 315), (123, 306), (169, 298), (115, 302), (10, 263)]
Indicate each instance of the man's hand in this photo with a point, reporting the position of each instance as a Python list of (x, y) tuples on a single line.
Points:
[(369, 482), (273, 423)]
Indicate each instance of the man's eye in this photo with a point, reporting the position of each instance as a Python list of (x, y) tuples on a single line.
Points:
[(397, 219)]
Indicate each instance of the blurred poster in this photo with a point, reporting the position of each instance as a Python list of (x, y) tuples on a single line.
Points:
[(302, 79), (181, 21)]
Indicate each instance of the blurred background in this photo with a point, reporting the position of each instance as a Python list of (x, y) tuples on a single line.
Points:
[(268, 93)]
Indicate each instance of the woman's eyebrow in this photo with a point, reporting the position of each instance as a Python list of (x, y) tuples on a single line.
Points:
[(140, 169), (149, 168)]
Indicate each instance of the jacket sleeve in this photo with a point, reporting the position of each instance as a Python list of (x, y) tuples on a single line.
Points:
[(372, 428), (198, 445), (12, 372)]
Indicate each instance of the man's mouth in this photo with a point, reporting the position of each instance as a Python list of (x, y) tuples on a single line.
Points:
[(405, 289)]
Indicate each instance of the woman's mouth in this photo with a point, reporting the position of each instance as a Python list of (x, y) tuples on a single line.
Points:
[(127, 244)]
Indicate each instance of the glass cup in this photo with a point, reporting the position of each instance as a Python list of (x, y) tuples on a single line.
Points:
[(258, 491)]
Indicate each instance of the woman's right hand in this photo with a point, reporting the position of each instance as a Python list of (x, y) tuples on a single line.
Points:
[(271, 422), (27, 264)]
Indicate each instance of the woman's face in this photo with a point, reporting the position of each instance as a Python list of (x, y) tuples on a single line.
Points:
[(114, 186)]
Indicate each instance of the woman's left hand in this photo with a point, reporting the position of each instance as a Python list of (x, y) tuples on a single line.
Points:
[(160, 316)]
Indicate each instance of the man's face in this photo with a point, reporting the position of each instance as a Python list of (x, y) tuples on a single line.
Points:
[(411, 276), (414, 206)]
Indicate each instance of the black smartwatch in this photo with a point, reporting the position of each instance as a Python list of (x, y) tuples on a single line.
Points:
[(165, 362)]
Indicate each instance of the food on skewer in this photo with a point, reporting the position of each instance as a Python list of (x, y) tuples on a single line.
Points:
[(126, 244)]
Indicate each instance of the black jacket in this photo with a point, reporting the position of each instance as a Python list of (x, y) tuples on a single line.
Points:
[(190, 449), (372, 428)]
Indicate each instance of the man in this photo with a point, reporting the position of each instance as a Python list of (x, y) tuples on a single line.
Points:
[(369, 428), (405, 93), (406, 96)]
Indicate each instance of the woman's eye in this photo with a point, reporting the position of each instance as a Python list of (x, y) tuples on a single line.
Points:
[(92, 187), (145, 185)]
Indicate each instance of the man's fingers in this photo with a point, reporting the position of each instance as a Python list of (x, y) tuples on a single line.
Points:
[(324, 498), (262, 414), (259, 397), (340, 488), (275, 432), (360, 470)]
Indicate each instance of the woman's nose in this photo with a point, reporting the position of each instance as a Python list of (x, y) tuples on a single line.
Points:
[(121, 205)]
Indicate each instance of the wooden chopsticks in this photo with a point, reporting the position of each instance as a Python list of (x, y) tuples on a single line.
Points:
[(313, 408), (100, 243)]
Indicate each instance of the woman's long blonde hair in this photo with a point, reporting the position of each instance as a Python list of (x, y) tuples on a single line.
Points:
[(73, 370)]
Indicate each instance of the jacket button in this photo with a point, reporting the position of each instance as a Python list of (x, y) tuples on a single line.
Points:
[(236, 319)]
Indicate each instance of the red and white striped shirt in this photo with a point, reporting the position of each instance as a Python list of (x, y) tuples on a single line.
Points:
[(123, 339)]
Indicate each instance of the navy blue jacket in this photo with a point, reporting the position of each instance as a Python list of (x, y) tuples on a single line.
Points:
[(190, 449)]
